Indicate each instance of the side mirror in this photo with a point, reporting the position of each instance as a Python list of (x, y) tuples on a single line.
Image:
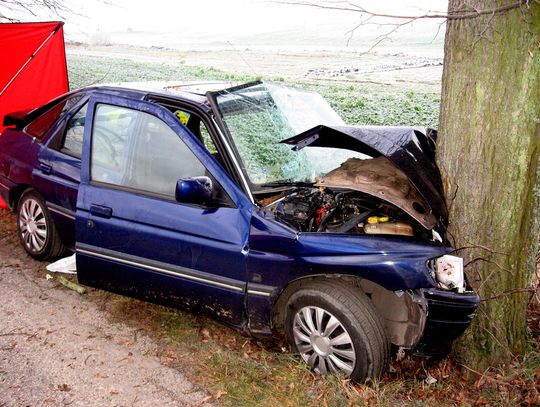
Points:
[(197, 190)]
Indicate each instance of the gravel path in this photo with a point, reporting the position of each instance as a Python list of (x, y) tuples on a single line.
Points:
[(59, 348)]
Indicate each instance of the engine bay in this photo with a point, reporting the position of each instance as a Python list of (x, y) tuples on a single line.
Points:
[(321, 209)]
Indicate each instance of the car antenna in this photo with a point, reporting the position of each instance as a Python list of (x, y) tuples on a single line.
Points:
[(243, 59)]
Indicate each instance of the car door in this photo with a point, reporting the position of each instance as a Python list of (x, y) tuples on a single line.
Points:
[(132, 235), (57, 174)]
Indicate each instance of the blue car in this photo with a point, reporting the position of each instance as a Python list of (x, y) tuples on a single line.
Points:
[(255, 204)]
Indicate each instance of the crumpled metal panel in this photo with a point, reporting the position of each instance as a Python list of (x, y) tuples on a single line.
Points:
[(409, 149), (380, 178)]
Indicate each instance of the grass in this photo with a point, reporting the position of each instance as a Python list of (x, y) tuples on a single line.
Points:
[(241, 371), (356, 103), (89, 70)]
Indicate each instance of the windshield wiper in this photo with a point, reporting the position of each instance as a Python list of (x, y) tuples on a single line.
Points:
[(286, 183)]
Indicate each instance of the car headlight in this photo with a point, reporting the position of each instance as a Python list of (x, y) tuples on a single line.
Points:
[(449, 273)]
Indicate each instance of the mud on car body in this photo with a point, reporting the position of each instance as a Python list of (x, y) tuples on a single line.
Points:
[(255, 204)]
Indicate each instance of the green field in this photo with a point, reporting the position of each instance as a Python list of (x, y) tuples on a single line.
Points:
[(358, 104)]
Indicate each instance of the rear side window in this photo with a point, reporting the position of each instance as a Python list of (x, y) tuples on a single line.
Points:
[(74, 133), (41, 125)]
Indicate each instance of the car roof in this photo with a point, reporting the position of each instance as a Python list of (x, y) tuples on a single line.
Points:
[(193, 91), (188, 90)]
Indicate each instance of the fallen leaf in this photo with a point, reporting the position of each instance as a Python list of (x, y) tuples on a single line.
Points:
[(219, 393), (205, 333), (64, 387)]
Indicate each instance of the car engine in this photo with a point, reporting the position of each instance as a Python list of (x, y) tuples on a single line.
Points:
[(341, 211)]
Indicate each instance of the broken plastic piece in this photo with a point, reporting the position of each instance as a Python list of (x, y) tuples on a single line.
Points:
[(449, 272), (66, 265), (430, 379), (71, 285), (65, 282)]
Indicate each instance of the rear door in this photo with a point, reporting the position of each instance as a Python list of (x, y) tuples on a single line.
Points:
[(58, 174), (133, 237)]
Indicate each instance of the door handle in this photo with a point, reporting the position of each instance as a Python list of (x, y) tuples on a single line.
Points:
[(101, 211), (45, 168)]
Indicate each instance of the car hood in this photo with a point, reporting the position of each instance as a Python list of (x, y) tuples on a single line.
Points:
[(412, 178)]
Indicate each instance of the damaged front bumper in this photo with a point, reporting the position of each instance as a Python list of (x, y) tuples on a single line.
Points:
[(448, 314)]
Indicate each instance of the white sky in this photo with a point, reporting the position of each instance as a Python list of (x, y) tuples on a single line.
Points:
[(226, 15), (226, 18)]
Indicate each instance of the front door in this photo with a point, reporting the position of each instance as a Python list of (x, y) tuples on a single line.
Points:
[(133, 237)]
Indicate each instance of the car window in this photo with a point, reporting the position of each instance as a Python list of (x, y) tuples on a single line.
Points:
[(74, 133), (197, 127), (43, 123), (137, 150), (207, 140)]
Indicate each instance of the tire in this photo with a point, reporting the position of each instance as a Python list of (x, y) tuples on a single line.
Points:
[(36, 229), (336, 330)]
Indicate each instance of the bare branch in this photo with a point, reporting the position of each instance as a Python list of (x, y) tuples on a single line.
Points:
[(451, 15), (351, 7), (484, 377), (489, 261), (483, 32), (479, 246), (510, 292), (11, 9), (461, 13)]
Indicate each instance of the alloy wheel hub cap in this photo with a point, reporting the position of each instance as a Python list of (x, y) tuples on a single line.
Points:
[(33, 225), (321, 345), (323, 342)]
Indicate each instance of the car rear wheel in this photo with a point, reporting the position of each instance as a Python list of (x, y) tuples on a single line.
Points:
[(337, 331), (36, 228)]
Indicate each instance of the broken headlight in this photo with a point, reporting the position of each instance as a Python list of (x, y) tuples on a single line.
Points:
[(449, 273)]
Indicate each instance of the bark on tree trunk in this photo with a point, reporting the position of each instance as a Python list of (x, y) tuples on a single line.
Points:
[(488, 154)]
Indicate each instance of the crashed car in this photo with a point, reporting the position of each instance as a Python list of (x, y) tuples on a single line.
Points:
[(255, 204)]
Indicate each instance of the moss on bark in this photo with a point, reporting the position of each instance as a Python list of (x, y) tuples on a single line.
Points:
[(488, 153)]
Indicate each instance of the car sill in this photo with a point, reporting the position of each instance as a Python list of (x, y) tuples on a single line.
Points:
[(186, 273)]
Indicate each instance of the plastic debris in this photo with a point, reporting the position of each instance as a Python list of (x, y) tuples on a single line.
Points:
[(71, 285), (65, 282), (66, 265), (400, 355), (430, 379)]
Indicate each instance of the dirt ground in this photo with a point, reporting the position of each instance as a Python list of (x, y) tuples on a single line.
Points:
[(61, 348)]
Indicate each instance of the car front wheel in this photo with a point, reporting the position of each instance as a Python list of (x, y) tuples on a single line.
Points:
[(36, 228), (337, 331)]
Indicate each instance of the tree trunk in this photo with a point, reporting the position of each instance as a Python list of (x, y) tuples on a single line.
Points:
[(488, 154)]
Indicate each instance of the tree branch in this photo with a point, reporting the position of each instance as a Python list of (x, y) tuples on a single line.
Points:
[(451, 15), (510, 292), (9, 8), (404, 20), (479, 246)]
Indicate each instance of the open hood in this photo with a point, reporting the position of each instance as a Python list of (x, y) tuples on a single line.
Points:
[(410, 150)]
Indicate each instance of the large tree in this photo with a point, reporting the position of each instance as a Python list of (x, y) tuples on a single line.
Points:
[(488, 153)]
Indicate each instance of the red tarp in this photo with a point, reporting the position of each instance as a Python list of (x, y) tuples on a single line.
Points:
[(33, 69)]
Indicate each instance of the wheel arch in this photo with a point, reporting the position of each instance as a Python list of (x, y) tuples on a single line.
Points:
[(15, 194), (403, 313), (280, 304)]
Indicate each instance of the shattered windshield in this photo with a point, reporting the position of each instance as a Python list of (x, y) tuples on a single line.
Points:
[(260, 115)]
